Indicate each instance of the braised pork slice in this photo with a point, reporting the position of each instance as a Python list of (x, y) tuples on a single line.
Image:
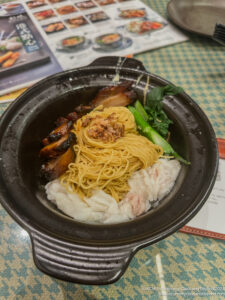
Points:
[(56, 148), (119, 95), (57, 133), (56, 167)]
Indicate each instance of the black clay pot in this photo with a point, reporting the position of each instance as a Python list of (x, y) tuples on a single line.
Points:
[(79, 252)]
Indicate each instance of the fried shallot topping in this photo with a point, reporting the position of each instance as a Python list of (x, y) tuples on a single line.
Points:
[(105, 129)]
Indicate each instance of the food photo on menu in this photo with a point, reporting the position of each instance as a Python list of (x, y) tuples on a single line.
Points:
[(98, 16), (76, 21), (54, 27), (144, 26), (84, 5), (73, 44), (132, 13), (44, 14), (36, 3), (55, 1), (10, 48), (10, 9), (66, 9), (105, 2), (111, 42)]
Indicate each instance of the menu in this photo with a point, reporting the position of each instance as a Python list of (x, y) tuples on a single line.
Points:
[(41, 37), (210, 220)]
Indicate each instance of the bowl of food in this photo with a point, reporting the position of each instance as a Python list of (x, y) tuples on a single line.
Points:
[(82, 169), (132, 13), (109, 40), (73, 42), (10, 7)]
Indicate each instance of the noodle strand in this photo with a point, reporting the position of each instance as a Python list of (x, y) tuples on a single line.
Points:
[(107, 166)]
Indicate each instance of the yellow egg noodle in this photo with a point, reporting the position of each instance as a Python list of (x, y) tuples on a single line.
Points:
[(107, 166)]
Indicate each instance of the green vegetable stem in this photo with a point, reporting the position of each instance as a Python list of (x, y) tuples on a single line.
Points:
[(141, 110), (140, 117)]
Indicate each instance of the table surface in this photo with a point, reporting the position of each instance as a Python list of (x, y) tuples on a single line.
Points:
[(183, 265)]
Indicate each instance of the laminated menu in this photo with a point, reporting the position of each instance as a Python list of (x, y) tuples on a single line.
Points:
[(210, 221), (41, 37)]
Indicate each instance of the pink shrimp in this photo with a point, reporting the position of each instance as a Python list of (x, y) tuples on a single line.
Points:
[(137, 202)]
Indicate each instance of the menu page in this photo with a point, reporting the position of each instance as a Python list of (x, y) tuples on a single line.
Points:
[(210, 220), (72, 33), (80, 31)]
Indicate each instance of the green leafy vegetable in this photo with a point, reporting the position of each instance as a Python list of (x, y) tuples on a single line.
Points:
[(153, 135), (156, 94), (154, 107)]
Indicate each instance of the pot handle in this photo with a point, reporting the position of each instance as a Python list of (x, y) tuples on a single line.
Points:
[(79, 263), (118, 62)]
